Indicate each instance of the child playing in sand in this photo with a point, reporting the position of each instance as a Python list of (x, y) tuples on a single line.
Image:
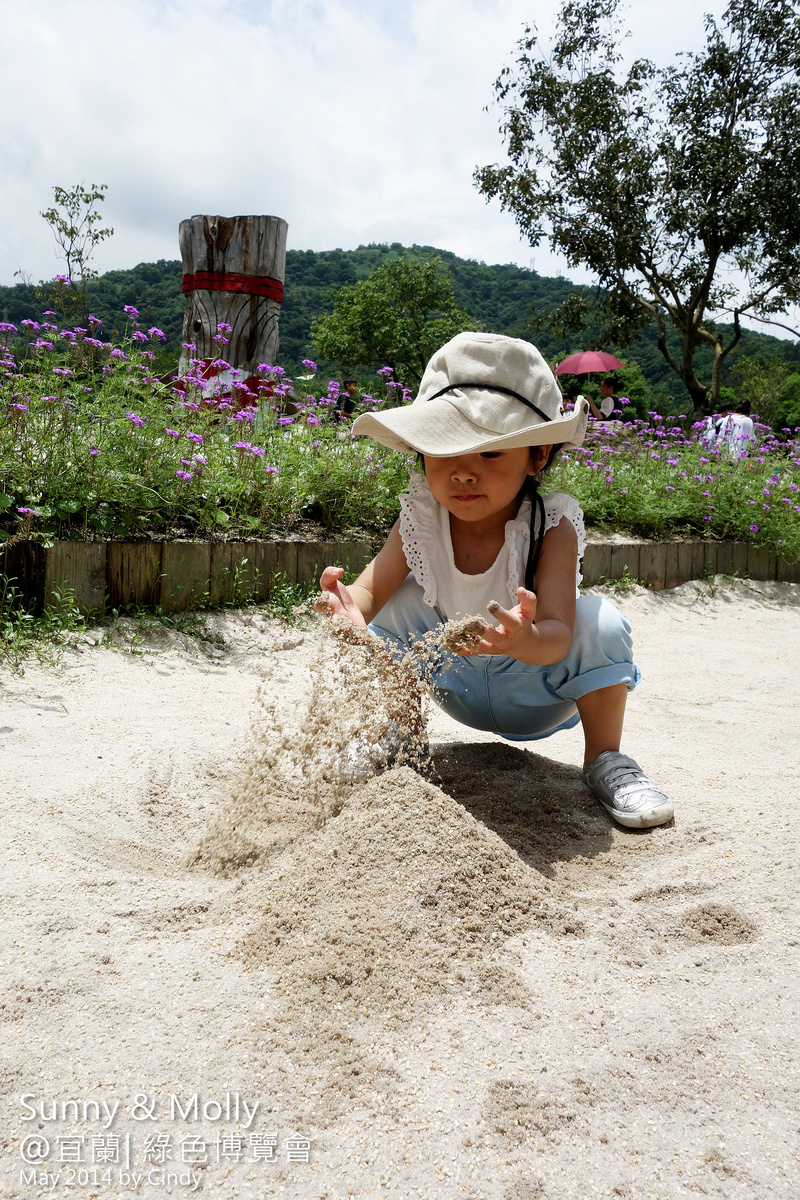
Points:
[(475, 535)]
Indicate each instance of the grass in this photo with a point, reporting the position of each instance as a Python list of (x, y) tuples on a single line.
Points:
[(23, 634)]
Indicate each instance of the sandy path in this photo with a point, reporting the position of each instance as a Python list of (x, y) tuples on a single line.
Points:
[(480, 990)]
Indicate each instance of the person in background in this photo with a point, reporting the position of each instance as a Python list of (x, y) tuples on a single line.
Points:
[(346, 401), (739, 431), (716, 426), (608, 400)]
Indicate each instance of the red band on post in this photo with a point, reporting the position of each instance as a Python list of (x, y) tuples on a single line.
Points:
[(229, 281)]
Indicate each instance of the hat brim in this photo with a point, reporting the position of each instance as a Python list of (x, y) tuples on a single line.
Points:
[(441, 430)]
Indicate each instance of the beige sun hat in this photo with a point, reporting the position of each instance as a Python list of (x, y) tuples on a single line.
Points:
[(480, 391)]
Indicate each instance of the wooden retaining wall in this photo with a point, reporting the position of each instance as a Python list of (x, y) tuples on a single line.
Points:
[(180, 575)]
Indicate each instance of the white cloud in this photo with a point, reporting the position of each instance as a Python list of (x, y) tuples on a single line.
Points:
[(355, 121)]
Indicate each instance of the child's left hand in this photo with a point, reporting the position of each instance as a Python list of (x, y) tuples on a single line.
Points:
[(514, 624)]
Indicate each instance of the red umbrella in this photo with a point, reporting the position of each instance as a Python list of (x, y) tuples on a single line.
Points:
[(588, 361)]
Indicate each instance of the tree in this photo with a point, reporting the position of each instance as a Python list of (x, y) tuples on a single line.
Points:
[(396, 318), (74, 220), (676, 187)]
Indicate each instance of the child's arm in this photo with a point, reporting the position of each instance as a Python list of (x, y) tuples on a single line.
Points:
[(376, 584), (553, 606)]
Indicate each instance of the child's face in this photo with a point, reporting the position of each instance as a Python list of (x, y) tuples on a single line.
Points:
[(475, 486)]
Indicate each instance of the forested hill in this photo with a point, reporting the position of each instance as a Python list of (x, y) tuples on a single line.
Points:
[(500, 296)]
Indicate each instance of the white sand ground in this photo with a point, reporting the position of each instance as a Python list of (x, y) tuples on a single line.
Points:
[(512, 999)]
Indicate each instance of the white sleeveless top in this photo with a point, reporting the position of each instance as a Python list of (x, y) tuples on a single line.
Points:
[(428, 547)]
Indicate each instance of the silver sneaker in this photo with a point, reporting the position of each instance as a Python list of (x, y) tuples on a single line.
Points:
[(625, 791)]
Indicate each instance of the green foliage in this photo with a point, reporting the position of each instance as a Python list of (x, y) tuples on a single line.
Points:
[(675, 186), (21, 633), (288, 601), (727, 394), (75, 222), (397, 317), (786, 413)]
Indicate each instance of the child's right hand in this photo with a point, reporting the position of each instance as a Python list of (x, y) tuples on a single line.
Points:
[(336, 600)]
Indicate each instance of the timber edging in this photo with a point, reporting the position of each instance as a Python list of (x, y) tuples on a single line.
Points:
[(174, 576)]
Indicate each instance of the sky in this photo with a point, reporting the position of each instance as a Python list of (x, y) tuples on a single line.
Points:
[(355, 120)]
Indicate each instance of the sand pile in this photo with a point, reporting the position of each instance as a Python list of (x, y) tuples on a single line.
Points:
[(399, 898), (399, 904)]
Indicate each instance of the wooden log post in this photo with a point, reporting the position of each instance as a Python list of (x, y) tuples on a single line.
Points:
[(233, 272)]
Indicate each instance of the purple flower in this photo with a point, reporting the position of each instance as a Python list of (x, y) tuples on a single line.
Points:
[(119, 354), (62, 371), (93, 451), (285, 421), (311, 366), (257, 451), (197, 438), (34, 512), (138, 336), (173, 432), (187, 475), (19, 407), (222, 325), (29, 324), (129, 310), (241, 446), (94, 320), (154, 333), (219, 364), (135, 419), (61, 278), (754, 529)]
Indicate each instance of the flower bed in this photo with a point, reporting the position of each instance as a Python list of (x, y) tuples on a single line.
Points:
[(93, 445)]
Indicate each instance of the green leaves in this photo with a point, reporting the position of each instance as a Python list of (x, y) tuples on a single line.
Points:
[(397, 317), (675, 187)]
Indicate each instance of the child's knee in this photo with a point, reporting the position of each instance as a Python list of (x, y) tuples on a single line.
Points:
[(599, 625)]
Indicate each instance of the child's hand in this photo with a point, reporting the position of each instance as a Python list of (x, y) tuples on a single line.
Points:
[(336, 600), (515, 623)]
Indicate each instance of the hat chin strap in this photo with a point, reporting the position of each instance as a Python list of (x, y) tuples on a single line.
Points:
[(491, 387)]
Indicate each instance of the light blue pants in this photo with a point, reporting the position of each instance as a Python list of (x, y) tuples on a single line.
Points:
[(499, 694)]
